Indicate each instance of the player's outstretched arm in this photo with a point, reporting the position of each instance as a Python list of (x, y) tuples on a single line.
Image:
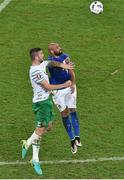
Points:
[(61, 65), (50, 87)]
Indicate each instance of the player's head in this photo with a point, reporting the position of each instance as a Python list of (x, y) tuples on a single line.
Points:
[(36, 54), (54, 49)]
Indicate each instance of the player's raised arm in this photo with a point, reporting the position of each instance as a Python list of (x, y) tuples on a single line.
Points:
[(61, 65)]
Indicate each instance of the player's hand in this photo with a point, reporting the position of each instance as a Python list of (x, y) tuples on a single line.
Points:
[(67, 66), (72, 87), (68, 83)]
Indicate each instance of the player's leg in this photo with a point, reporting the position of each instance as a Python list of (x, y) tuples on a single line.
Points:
[(34, 140), (27, 143), (50, 126), (71, 103), (69, 129), (59, 100), (43, 117), (75, 124), (34, 137), (36, 148), (67, 123)]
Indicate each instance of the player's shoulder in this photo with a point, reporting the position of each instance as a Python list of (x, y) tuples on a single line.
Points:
[(44, 63), (65, 55), (50, 57), (34, 69)]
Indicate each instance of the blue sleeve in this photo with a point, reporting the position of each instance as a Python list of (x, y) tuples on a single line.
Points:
[(66, 56), (50, 58)]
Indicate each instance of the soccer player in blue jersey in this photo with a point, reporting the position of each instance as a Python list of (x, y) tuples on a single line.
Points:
[(65, 98)]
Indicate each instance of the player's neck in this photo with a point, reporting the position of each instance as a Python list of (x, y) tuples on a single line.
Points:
[(36, 63), (57, 54)]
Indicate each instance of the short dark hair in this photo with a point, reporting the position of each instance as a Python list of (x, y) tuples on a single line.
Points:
[(33, 52)]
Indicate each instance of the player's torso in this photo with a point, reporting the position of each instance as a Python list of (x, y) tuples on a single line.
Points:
[(43, 66), (58, 75), (40, 93)]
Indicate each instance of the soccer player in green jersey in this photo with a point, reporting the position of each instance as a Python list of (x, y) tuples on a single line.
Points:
[(42, 105)]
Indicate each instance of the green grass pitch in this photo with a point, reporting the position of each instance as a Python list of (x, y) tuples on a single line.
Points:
[(96, 45)]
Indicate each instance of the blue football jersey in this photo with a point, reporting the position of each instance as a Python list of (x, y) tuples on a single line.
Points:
[(58, 75)]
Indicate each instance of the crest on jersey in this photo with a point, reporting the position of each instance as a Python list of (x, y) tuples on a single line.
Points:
[(38, 76)]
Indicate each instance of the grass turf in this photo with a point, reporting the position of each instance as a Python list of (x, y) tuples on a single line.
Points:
[(96, 45)]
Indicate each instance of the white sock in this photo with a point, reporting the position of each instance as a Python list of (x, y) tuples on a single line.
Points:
[(32, 139), (36, 148)]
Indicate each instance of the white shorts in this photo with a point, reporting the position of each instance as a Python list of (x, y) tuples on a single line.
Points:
[(64, 98)]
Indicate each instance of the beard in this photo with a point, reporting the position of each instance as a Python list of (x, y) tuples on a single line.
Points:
[(40, 60), (58, 53)]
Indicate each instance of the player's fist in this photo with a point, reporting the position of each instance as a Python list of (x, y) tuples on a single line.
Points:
[(67, 66)]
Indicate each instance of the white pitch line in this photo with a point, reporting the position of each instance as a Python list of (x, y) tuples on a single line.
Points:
[(114, 72), (4, 4), (64, 161)]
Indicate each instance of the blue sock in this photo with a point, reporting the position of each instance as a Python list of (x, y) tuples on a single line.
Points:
[(68, 126), (75, 123)]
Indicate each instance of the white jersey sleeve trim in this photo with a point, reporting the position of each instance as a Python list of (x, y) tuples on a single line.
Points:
[(46, 62)]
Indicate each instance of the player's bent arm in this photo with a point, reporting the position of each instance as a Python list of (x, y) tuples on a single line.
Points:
[(72, 73), (73, 80), (61, 65), (50, 87)]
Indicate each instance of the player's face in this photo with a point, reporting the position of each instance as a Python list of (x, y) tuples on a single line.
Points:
[(40, 56), (57, 50)]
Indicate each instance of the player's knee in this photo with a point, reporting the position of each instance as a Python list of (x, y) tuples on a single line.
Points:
[(65, 113), (40, 131), (72, 109), (50, 127)]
